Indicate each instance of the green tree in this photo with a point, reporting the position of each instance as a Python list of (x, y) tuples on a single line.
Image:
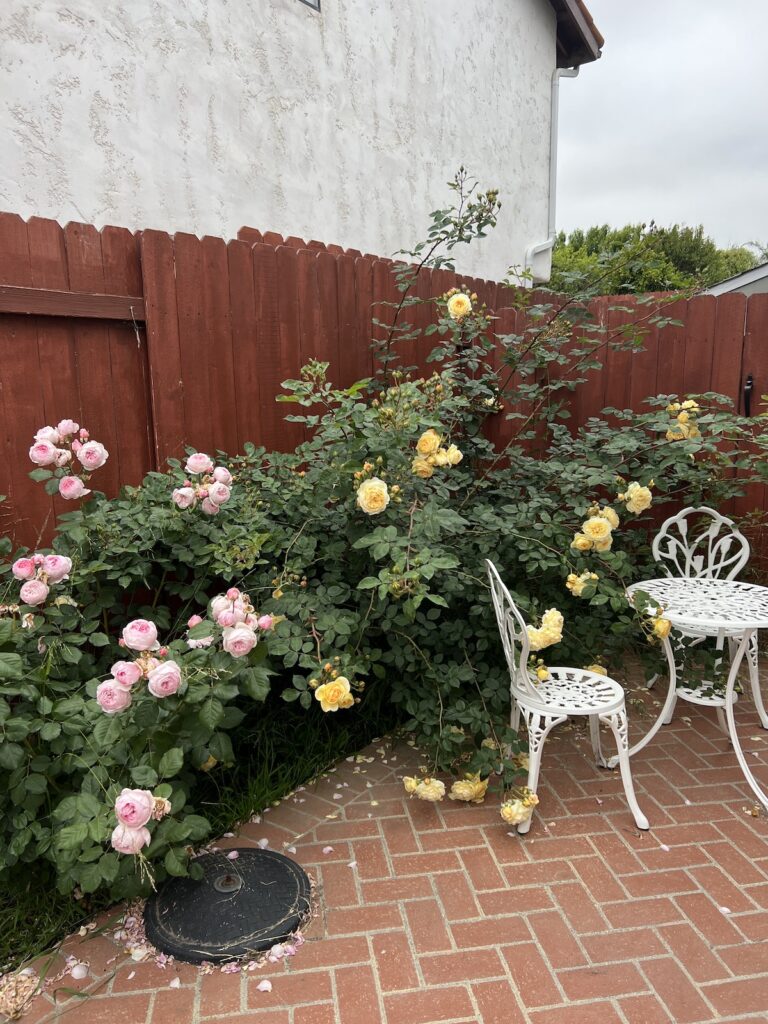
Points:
[(638, 258)]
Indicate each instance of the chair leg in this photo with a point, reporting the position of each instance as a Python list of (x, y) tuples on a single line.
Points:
[(618, 723), (671, 712), (538, 729), (754, 678), (594, 735), (652, 681), (514, 718)]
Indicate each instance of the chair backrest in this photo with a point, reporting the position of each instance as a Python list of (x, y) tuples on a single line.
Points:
[(514, 636), (700, 542)]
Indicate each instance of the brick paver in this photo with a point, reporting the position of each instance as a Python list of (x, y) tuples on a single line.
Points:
[(436, 913)]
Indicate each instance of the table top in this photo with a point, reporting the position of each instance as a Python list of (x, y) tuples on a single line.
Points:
[(708, 604)]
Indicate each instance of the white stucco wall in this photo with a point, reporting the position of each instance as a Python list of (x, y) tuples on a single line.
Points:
[(204, 115)]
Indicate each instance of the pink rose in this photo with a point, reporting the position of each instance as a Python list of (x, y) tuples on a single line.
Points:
[(232, 594), (184, 497), (219, 493), (134, 807), (164, 680), (130, 840), (71, 487), (194, 620), (209, 507), (57, 567), (67, 427), (83, 434), (92, 455), (222, 476), (140, 635), (227, 618), (127, 673), (76, 446), (33, 592), (238, 641), (265, 622), (23, 568), (198, 462), (43, 453), (63, 457), (112, 697), (48, 434), (219, 604)]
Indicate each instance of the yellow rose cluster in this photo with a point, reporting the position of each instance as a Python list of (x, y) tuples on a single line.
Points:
[(598, 669), (550, 632), (519, 809), (335, 694), (470, 789), (685, 414), (431, 790), (661, 627), (373, 496), (636, 498), (459, 304), (577, 584), (430, 454), (596, 530)]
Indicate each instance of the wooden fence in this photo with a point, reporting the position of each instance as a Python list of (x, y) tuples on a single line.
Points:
[(155, 342)]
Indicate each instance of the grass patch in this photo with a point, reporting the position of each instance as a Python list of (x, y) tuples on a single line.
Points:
[(278, 747)]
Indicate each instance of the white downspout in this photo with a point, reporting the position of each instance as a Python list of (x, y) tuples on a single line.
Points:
[(533, 250)]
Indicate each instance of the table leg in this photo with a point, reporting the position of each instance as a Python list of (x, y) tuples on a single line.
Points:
[(665, 711), (744, 642)]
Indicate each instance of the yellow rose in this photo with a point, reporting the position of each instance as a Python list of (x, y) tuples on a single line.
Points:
[(410, 784), (470, 789), (637, 498), (515, 812), (372, 496), (581, 542), (422, 468), (522, 761), (431, 790), (334, 694), (596, 528), (428, 443), (675, 435), (674, 407), (609, 514), (599, 670), (603, 545), (576, 584), (440, 458), (553, 619), (542, 673), (691, 405), (459, 305), (683, 417), (661, 628), (209, 763), (454, 455)]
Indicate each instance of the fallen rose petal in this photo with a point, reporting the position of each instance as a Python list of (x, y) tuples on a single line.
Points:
[(233, 855), (175, 983), (263, 843), (327, 849), (725, 910), (79, 971), (352, 864), (264, 986), (291, 849)]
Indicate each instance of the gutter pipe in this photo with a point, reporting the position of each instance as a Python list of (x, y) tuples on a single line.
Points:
[(534, 250)]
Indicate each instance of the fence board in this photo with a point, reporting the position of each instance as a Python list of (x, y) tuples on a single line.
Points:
[(354, 355), (699, 339), (291, 357), (363, 303), (218, 342), (245, 343), (672, 343), (728, 346), (755, 361), (193, 343)]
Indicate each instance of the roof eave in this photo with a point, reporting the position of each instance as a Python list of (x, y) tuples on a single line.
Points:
[(578, 40)]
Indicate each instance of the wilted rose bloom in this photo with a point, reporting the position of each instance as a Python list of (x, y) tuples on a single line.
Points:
[(222, 476), (71, 487), (50, 434), (112, 697), (57, 567), (43, 453), (63, 457), (209, 507), (238, 641), (130, 840), (204, 641), (134, 807), (161, 808), (265, 622), (127, 673), (23, 568), (199, 462), (184, 497), (67, 427), (92, 455), (33, 592), (140, 635), (218, 493), (164, 680)]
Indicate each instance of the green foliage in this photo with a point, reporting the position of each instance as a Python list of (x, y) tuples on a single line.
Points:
[(636, 259)]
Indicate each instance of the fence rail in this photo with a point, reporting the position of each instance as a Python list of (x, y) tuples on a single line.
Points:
[(157, 341)]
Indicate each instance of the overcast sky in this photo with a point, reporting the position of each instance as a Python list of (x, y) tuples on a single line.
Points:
[(671, 124)]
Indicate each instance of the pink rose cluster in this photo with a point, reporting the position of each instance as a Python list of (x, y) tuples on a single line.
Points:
[(59, 447), (240, 624), (212, 486), (134, 808), (38, 574), (163, 675)]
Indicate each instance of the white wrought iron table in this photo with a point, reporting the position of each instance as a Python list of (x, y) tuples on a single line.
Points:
[(726, 609)]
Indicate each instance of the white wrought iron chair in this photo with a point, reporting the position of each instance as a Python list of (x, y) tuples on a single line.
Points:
[(568, 691), (702, 543)]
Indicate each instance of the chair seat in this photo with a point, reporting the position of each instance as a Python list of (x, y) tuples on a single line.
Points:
[(576, 691)]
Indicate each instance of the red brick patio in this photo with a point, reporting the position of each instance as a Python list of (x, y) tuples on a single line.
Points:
[(434, 913)]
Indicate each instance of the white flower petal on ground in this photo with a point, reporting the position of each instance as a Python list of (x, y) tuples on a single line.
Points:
[(264, 986)]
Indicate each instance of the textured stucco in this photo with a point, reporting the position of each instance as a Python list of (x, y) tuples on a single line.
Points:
[(203, 115)]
